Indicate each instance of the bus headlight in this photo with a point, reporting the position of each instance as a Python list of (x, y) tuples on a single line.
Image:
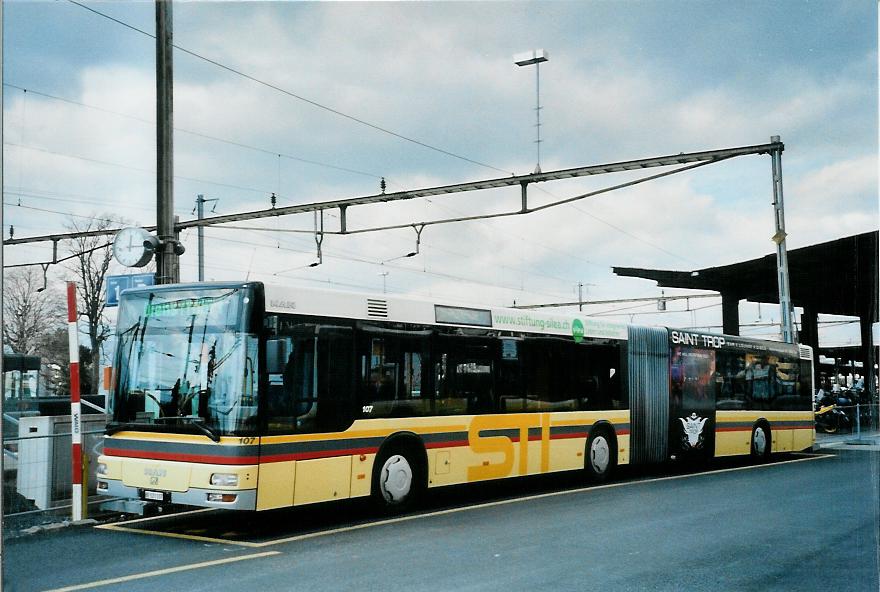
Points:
[(224, 479), (102, 468)]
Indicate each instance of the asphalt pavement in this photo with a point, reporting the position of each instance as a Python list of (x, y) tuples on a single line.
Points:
[(804, 522)]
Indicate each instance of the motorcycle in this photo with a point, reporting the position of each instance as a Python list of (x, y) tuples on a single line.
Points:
[(830, 417)]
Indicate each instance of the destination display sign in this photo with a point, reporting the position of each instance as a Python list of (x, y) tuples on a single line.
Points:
[(457, 315)]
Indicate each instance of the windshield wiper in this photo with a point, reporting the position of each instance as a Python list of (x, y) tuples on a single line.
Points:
[(203, 427), (196, 422)]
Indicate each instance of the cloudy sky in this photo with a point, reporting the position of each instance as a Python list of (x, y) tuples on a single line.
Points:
[(625, 80)]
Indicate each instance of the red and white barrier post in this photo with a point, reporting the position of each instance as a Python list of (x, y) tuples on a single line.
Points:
[(75, 411)]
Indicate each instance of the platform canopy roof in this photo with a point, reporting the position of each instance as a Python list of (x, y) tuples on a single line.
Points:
[(835, 277)]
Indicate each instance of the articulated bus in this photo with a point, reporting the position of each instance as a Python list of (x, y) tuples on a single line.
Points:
[(248, 396)]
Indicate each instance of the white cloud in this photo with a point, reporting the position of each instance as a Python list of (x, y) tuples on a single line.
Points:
[(443, 74)]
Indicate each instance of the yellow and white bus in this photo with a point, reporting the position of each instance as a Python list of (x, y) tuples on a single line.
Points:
[(250, 396)]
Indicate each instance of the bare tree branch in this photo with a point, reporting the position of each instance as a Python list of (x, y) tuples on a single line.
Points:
[(29, 313), (89, 262)]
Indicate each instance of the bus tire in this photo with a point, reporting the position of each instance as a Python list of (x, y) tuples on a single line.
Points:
[(601, 455), (399, 478), (761, 442)]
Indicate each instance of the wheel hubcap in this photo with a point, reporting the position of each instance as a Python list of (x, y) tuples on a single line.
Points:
[(395, 480), (760, 441), (599, 454)]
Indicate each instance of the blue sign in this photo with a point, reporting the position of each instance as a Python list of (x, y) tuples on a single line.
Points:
[(117, 283)]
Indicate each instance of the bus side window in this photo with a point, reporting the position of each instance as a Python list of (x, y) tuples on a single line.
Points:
[(334, 375), (463, 376), (291, 397), (378, 380), (393, 375), (279, 402), (508, 377), (299, 388), (474, 381)]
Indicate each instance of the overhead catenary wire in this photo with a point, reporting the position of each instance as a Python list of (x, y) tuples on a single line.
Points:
[(701, 158), (617, 311), (487, 216), (307, 248), (331, 166), (298, 97), (303, 251), (355, 259), (45, 210), (294, 95), (260, 230), (330, 205), (352, 258), (201, 134), (619, 229), (133, 168), (613, 226), (57, 261), (520, 237), (764, 325), (697, 159), (328, 281), (77, 199)]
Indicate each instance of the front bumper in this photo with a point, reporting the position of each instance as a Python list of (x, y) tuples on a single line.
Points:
[(246, 499)]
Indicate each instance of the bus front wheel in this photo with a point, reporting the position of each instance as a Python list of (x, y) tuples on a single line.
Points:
[(398, 480), (601, 453)]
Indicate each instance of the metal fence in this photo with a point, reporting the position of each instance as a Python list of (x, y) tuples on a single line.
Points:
[(37, 467), (860, 417)]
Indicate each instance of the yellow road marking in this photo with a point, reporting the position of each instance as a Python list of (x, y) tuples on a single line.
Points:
[(177, 535), (188, 512), (162, 572)]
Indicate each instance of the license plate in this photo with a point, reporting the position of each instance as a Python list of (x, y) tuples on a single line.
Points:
[(154, 495)]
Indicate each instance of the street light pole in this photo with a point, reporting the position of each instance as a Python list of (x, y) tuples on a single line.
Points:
[(535, 57)]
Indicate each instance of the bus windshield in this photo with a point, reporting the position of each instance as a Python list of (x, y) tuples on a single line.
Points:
[(186, 362)]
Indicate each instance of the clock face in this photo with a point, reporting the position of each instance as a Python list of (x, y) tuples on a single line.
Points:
[(129, 248)]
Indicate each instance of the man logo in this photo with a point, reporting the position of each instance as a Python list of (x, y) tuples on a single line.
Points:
[(693, 430)]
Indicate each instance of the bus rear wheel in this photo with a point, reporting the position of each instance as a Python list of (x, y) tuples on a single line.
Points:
[(761, 443), (398, 480), (601, 453)]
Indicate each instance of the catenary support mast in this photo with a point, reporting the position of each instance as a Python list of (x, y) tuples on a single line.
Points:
[(785, 308)]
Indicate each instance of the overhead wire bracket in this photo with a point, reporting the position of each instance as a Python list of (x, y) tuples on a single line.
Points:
[(319, 236), (418, 228), (525, 197)]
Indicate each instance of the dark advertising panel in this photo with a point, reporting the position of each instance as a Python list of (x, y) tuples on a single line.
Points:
[(692, 402)]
